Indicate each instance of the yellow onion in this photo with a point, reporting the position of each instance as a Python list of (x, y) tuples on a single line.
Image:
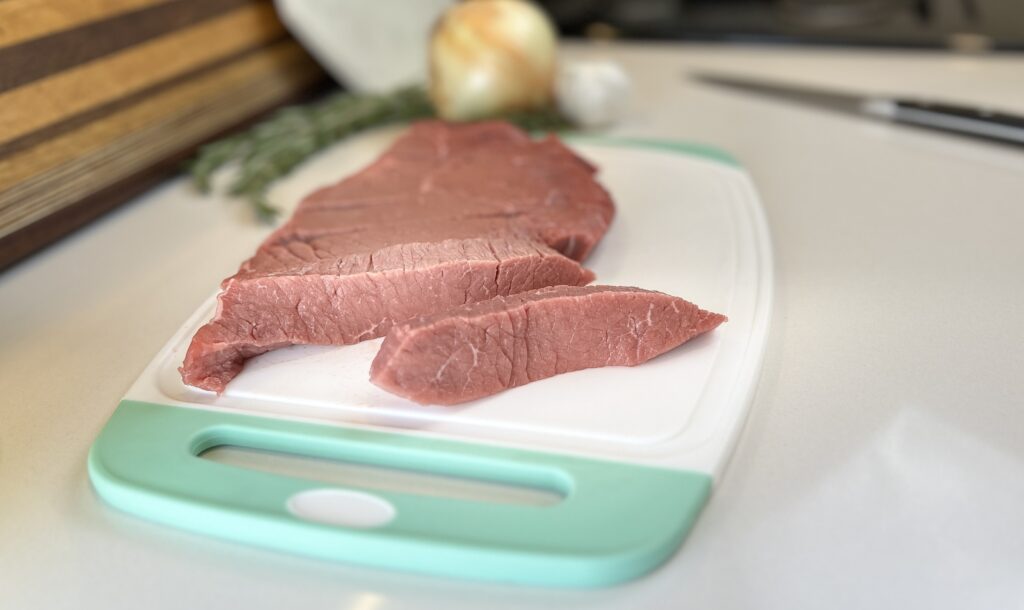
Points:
[(489, 57)]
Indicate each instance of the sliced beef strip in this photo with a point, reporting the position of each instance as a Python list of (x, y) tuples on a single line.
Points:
[(486, 347), (479, 184), (322, 254), (363, 297)]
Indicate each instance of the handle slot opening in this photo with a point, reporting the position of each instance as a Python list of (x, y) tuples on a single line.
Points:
[(357, 464)]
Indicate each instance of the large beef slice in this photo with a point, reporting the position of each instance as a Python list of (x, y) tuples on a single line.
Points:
[(486, 347), (490, 174), (449, 214)]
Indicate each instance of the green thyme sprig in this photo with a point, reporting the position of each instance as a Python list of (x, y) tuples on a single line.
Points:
[(273, 148), (276, 146)]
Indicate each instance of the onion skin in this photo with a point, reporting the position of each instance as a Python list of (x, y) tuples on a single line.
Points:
[(490, 57)]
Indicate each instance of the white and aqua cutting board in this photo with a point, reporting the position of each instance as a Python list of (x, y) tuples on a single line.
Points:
[(633, 452)]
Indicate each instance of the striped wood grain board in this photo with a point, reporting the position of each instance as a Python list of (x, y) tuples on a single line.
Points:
[(99, 99)]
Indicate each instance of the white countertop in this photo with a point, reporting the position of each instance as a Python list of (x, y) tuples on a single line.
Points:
[(880, 466)]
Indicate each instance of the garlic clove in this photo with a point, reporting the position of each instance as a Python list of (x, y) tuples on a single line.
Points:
[(592, 93)]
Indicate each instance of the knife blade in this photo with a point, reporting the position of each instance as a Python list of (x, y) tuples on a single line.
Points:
[(964, 120)]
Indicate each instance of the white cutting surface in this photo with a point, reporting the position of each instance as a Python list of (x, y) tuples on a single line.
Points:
[(685, 225), (879, 468)]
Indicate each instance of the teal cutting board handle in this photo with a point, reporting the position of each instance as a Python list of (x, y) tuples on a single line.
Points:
[(616, 522)]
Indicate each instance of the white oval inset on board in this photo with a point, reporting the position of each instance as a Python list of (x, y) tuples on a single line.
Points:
[(341, 507)]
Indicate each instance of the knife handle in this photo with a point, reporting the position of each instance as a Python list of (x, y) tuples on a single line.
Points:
[(964, 120)]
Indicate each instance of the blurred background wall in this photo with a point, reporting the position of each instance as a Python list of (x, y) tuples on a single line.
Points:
[(968, 25)]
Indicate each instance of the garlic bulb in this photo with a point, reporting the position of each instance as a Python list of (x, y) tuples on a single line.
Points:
[(593, 93), (488, 57)]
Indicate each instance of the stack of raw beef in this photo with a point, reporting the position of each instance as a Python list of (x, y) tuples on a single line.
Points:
[(461, 244)]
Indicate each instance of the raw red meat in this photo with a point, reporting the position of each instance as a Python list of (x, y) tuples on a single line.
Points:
[(450, 214), (486, 347)]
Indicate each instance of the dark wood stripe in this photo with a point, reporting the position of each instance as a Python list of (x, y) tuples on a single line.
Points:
[(34, 59), (27, 19), (54, 129)]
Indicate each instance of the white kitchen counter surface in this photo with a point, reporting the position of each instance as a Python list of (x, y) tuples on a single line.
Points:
[(880, 467)]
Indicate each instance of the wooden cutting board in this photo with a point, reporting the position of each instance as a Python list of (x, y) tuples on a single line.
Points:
[(99, 99)]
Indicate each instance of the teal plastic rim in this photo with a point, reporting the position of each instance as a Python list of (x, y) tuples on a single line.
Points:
[(693, 149), (617, 521)]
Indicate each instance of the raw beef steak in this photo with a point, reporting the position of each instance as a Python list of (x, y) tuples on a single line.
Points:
[(450, 214), (482, 348)]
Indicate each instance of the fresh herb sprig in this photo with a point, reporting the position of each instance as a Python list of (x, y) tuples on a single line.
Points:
[(273, 148)]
